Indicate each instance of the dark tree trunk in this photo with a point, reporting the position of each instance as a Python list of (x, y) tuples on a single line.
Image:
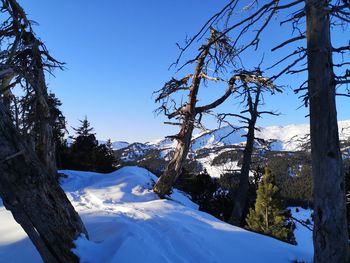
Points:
[(241, 197), (330, 228), (174, 167), (6, 92), (44, 142), (35, 199)]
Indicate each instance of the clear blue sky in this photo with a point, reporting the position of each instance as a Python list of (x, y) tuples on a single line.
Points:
[(118, 53)]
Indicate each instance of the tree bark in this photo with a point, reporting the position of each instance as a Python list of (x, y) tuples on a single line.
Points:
[(330, 227), (35, 199), (241, 196), (44, 142), (174, 167), (6, 92), (240, 199)]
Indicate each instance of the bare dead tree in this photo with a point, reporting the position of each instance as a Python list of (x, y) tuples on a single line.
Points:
[(28, 59), (188, 115), (251, 93), (41, 129), (27, 185), (313, 21)]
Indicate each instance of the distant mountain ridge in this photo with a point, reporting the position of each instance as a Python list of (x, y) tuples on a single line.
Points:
[(220, 150), (286, 138)]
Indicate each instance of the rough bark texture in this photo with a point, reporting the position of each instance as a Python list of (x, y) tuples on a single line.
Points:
[(35, 199), (45, 145), (174, 168), (330, 228), (6, 92)]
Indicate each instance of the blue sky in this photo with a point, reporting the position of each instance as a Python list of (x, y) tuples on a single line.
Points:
[(118, 52)]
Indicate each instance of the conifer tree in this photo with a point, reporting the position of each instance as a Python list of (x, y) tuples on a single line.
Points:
[(105, 157), (84, 147), (85, 129), (269, 217), (86, 154)]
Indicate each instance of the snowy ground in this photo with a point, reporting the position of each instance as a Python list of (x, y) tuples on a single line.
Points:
[(128, 223), (301, 233)]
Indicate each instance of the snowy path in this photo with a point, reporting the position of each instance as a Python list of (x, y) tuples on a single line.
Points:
[(128, 223)]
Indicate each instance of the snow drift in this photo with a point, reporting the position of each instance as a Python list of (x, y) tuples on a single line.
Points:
[(127, 222)]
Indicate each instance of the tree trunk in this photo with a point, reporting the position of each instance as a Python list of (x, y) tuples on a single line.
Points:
[(241, 196), (35, 199), (330, 229), (6, 92), (45, 145), (44, 142), (174, 168)]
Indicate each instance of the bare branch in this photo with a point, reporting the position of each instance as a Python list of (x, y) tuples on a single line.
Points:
[(294, 39)]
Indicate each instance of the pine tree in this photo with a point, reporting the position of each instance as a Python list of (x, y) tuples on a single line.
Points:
[(84, 148), (59, 129), (269, 217), (84, 130), (85, 153), (105, 157)]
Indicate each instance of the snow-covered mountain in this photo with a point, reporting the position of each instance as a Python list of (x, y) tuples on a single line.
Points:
[(285, 138), (210, 149), (127, 222), (117, 145)]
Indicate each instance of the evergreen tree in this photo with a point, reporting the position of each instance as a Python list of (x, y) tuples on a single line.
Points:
[(84, 148), (105, 157), (85, 153), (84, 130), (59, 129), (269, 217)]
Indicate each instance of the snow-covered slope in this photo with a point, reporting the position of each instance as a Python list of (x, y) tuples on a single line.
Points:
[(302, 234), (117, 145), (279, 138), (128, 223), (219, 137), (15, 246), (287, 138), (217, 151)]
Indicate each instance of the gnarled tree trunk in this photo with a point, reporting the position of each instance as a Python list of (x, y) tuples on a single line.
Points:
[(44, 142), (174, 167), (330, 228), (35, 199)]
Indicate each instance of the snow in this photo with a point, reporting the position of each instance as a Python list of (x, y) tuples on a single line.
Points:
[(285, 138), (118, 145), (135, 150), (302, 234), (127, 222), (164, 143), (218, 137), (216, 171), (15, 246)]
